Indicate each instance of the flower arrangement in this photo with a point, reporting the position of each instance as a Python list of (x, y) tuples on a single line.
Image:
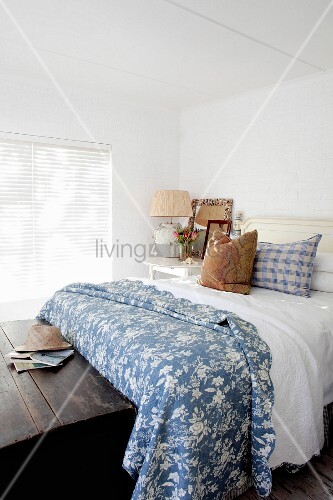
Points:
[(185, 236)]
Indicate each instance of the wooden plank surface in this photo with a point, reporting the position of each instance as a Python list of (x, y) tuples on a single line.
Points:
[(74, 391), (312, 482), (17, 423), (40, 412), (40, 400)]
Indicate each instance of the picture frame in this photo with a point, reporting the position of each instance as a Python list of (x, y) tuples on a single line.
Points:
[(213, 225), (224, 213)]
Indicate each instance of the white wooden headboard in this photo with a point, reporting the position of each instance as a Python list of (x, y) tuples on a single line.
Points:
[(281, 230)]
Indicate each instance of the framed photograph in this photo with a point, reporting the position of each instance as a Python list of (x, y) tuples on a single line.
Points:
[(213, 225)]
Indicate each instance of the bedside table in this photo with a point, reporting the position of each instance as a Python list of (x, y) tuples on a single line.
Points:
[(172, 266)]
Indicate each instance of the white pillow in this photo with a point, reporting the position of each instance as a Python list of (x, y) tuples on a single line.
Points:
[(323, 262), (321, 281)]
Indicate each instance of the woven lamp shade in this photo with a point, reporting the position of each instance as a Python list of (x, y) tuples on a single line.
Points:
[(171, 203), (206, 213)]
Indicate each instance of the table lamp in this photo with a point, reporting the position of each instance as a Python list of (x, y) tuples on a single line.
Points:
[(169, 203)]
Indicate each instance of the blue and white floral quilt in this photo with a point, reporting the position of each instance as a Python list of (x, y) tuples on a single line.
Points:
[(198, 376)]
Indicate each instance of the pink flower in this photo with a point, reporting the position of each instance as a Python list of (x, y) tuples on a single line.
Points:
[(175, 234)]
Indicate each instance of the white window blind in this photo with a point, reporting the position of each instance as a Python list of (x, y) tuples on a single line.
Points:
[(54, 204)]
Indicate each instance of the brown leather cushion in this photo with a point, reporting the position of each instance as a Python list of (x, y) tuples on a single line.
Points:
[(228, 264)]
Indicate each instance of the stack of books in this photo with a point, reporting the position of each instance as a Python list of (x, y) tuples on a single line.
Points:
[(41, 359)]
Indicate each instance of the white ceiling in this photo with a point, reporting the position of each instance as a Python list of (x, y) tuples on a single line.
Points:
[(175, 53)]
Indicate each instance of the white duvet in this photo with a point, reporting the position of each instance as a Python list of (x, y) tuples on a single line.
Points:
[(299, 333)]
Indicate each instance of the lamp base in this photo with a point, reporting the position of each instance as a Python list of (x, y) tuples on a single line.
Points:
[(165, 243)]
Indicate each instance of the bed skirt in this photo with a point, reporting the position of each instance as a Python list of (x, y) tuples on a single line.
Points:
[(328, 424), (328, 433)]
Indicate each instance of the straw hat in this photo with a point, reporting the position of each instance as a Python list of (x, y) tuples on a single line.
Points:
[(43, 338)]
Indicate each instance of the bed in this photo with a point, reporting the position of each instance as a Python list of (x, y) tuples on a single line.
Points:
[(227, 386)]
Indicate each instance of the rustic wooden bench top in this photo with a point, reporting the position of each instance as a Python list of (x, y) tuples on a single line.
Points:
[(36, 401)]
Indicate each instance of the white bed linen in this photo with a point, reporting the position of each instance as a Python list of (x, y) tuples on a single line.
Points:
[(299, 333)]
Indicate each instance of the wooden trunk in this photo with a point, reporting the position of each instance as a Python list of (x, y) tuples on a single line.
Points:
[(60, 427)]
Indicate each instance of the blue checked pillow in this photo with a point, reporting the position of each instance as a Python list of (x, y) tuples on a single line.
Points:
[(285, 267)]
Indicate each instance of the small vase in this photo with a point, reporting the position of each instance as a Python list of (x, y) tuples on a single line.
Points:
[(185, 251)]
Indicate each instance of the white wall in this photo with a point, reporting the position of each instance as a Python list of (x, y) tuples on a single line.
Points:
[(145, 153), (284, 165)]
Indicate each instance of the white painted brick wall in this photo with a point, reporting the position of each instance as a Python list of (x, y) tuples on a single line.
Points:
[(284, 165)]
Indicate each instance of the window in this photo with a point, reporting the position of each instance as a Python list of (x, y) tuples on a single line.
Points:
[(54, 205)]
